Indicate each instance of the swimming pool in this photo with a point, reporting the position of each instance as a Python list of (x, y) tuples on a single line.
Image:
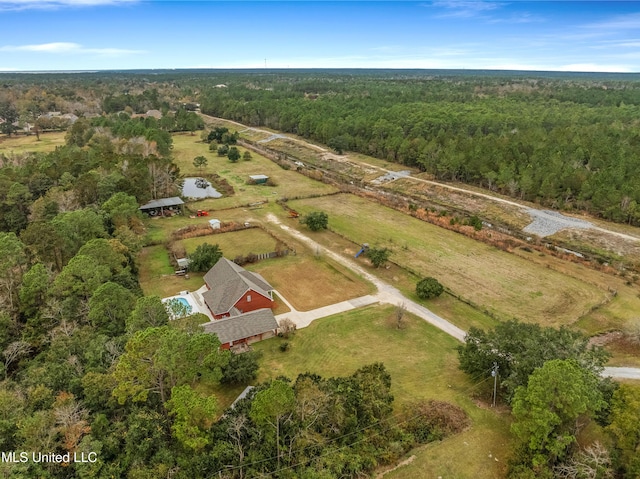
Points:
[(178, 307)]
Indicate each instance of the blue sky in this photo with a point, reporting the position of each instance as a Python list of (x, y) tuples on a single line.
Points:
[(37, 35)]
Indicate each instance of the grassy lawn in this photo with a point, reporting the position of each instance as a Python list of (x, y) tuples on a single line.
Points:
[(505, 284), (159, 229), (310, 283), (235, 243), (289, 183), (157, 275), (423, 364), (24, 144)]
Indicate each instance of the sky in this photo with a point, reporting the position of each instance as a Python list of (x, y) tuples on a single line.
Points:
[(592, 36)]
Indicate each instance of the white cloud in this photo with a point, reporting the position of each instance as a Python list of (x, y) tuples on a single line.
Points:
[(615, 24), (519, 18), (464, 8), (18, 5), (68, 48)]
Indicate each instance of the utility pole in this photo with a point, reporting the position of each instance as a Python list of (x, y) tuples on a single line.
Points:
[(494, 373)]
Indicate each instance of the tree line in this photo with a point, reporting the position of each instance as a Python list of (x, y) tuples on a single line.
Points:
[(563, 143)]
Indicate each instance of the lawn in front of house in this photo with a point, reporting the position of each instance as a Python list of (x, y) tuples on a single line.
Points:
[(309, 283), (423, 364)]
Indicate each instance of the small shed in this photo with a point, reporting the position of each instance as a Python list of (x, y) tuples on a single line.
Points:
[(215, 224), (183, 263), (258, 179), (163, 206)]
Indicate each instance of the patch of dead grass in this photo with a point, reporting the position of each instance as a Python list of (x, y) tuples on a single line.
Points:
[(309, 283)]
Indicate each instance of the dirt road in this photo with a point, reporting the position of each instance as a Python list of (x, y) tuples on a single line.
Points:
[(543, 222)]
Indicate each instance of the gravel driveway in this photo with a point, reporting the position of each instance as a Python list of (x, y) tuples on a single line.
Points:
[(547, 222)]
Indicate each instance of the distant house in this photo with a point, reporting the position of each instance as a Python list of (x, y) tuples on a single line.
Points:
[(163, 206), (232, 290), (258, 179), (157, 114), (243, 329), (70, 117)]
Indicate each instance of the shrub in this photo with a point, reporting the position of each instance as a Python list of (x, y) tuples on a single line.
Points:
[(316, 220), (378, 256), (428, 288), (475, 222), (284, 346), (434, 420)]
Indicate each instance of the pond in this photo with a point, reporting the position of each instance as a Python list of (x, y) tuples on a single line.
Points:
[(193, 188)]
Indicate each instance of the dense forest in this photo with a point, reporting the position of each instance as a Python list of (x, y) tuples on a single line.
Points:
[(89, 364), (568, 141), (565, 143)]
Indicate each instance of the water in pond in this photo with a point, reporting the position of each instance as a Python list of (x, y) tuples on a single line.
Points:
[(192, 189)]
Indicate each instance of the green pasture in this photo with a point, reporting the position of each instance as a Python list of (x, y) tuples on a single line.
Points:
[(235, 243), (498, 282), (29, 143)]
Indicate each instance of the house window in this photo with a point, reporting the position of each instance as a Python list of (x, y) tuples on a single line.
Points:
[(248, 298)]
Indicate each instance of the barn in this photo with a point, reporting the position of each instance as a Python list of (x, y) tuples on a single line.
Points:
[(163, 207)]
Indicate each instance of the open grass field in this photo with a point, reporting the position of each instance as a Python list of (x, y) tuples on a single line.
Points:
[(423, 364), (288, 183), (310, 283), (454, 310), (502, 283), (25, 144), (157, 275), (159, 229), (235, 243)]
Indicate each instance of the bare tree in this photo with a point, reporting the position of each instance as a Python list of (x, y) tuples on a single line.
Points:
[(236, 429), (71, 419), (13, 352), (594, 462), (399, 312), (287, 327)]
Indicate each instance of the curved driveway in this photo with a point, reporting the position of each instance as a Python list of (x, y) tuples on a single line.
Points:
[(386, 293)]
